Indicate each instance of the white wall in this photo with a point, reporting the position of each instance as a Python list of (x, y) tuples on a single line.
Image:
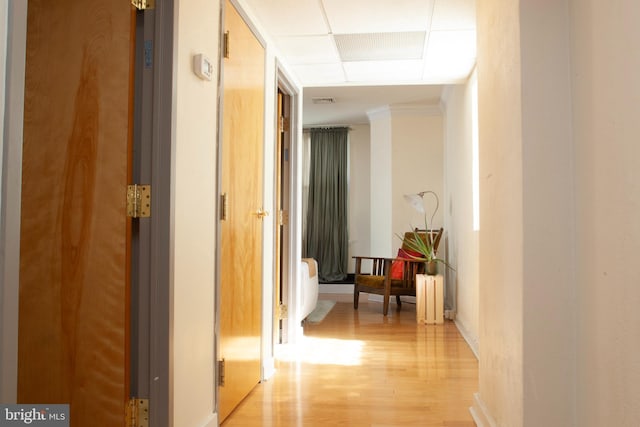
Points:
[(194, 218), (381, 181), (560, 201), (606, 94), (417, 164), (359, 193), (461, 240), (501, 217), (407, 154)]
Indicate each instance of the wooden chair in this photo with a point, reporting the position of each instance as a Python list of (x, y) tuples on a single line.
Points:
[(390, 276)]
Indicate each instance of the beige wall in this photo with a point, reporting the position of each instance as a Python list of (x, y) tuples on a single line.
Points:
[(558, 142), (461, 240), (417, 165), (359, 193), (406, 157), (381, 181), (606, 94), (501, 216), (194, 238)]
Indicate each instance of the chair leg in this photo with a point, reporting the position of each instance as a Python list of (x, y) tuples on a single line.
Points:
[(356, 297), (385, 304), (398, 302)]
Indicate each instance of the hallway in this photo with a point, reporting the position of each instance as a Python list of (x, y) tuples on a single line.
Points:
[(358, 368)]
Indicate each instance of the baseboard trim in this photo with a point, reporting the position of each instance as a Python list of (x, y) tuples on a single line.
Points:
[(472, 341), (268, 368), (212, 421), (480, 413)]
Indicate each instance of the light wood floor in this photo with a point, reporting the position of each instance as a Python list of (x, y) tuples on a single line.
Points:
[(359, 368)]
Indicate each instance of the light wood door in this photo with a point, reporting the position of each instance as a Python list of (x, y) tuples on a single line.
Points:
[(73, 311), (241, 232)]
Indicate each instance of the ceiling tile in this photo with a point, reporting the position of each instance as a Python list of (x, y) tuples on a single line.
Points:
[(443, 44), (454, 15), (384, 71), (319, 74), (309, 49), (290, 17), (378, 16)]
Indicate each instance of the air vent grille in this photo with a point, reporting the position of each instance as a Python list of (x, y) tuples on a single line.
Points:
[(323, 100)]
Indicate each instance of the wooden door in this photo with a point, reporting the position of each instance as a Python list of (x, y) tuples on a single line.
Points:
[(241, 232), (73, 311)]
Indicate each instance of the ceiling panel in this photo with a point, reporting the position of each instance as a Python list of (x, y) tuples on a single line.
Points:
[(377, 16), (454, 15), (309, 49), (304, 33), (320, 74), (382, 71), (289, 17)]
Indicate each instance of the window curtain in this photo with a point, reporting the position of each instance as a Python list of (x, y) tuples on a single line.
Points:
[(326, 225)]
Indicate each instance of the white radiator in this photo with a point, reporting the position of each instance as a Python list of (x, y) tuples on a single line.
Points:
[(429, 299)]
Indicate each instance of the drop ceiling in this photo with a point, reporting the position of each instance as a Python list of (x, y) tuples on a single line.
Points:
[(370, 44)]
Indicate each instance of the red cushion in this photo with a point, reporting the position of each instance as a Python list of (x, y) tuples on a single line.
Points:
[(397, 267)]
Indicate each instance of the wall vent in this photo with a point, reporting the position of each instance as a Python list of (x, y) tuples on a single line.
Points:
[(323, 100)]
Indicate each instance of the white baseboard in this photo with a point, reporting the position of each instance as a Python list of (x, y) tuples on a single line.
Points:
[(471, 340), (212, 421), (268, 368), (480, 413)]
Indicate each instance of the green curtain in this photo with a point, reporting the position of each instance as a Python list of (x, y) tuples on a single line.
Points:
[(327, 235)]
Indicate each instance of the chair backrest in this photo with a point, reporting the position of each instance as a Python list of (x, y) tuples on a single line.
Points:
[(436, 235)]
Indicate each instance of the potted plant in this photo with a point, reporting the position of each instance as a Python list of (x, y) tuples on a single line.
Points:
[(424, 248)]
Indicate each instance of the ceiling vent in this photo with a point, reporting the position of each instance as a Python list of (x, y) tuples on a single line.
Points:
[(323, 100), (380, 46)]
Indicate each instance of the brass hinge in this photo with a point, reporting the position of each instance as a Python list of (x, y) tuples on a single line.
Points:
[(221, 373), (283, 311), (283, 217), (138, 201), (144, 4), (284, 124), (224, 205), (137, 412), (225, 44)]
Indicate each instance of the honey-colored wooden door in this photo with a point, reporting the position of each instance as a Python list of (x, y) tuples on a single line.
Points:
[(73, 315), (241, 232)]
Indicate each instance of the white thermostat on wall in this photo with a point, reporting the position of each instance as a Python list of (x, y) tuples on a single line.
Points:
[(202, 67)]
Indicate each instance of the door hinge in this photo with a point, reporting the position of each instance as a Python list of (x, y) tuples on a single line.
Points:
[(144, 4), (225, 44), (283, 311), (138, 201), (137, 412), (283, 217), (221, 377), (224, 205), (283, 124)]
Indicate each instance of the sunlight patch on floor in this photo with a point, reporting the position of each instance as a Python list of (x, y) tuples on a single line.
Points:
[(322, 351)]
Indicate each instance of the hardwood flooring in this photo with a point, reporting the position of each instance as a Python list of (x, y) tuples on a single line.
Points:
[(359, 368)]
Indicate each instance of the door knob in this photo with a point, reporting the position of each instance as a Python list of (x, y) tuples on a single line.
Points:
[(261, 213)]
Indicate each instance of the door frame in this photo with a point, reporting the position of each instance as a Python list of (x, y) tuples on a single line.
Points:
[(11, 195), (154, 135), (292, 330)]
